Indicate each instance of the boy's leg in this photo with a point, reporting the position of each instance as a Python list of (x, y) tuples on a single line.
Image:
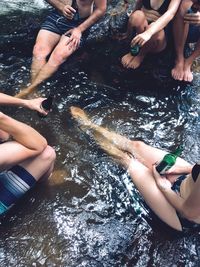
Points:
[(180, 32)]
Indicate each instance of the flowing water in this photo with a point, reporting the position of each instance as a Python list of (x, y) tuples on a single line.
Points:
[(86, 217)]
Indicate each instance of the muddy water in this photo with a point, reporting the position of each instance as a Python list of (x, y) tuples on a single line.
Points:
[(86, 217)]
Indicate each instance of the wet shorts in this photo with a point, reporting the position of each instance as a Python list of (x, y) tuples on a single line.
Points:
[(194, 34), (59, 24), (14, 183), (185, 223)]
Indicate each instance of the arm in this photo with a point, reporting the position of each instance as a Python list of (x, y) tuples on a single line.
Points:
[(158, 25), (189, 207), (100, 9), (28, 142), (192, 18), (33, 104)]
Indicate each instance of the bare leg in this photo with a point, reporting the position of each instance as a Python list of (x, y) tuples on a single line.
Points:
[(180, 31), (61, 52), (155, 45), (188, 76), (41, 166), (137, 21), (141, 175), (146, 154)]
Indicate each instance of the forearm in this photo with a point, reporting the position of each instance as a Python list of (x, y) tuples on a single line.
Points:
[(92, 19), (10, 100), (174, 199), (22, 133), (160, 23)]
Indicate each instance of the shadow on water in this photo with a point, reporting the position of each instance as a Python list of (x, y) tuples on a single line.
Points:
[(85, 217)]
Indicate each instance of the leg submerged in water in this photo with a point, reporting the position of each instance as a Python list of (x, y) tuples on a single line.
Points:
[(141, 175)]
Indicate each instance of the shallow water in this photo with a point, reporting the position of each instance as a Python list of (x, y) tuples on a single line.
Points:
[(87, 218)]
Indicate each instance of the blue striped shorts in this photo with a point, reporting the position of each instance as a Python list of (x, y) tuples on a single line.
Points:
[(14, 183)]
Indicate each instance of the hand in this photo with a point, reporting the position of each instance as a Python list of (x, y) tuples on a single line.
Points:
[(192, 18), (141, 38), (162, 182), (68, 11), (35, 104), (74, 37)]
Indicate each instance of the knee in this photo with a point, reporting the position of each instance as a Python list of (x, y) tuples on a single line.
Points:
[(40, 50), (137, 144), (137, 18), (58, 57), (48, 155), (184, 6)]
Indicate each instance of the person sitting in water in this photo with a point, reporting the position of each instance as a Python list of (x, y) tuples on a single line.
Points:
[(63, 32), (23, 160), (148, 21), (173, 197), (186, 30)]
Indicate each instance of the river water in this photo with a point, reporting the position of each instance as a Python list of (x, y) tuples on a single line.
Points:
[(86, 217)]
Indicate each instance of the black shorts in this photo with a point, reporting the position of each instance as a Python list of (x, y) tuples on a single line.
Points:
[(59, 24)]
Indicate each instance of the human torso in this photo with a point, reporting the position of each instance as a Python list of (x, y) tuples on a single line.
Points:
[(153, 9), (84, 7), (157, 5)]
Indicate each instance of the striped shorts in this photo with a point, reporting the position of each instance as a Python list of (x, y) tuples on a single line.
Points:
[(14, 183)]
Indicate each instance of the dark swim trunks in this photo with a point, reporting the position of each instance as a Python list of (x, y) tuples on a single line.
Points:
[(59, 24), (185, 223), (14, 183)]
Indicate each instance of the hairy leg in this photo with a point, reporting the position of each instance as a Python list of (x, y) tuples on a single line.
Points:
[(61, 52), (146, 154), (113, 144), (45, 43)]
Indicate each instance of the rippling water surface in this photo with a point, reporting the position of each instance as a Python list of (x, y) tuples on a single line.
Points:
[(86, 217)]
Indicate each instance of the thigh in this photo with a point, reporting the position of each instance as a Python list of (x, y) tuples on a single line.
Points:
[(145, 183), (149, 155), (47, 39), (41, 164)]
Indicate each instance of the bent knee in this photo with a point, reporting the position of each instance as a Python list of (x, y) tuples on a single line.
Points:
[(137, 18), (48, 154)]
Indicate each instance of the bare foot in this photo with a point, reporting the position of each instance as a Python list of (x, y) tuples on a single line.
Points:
[(126, 60), (188, 76), (177, 72), (25, 92), (136, 62), (80, 116)]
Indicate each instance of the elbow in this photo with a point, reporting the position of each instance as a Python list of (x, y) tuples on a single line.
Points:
[(102, 11), (41, 146)]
